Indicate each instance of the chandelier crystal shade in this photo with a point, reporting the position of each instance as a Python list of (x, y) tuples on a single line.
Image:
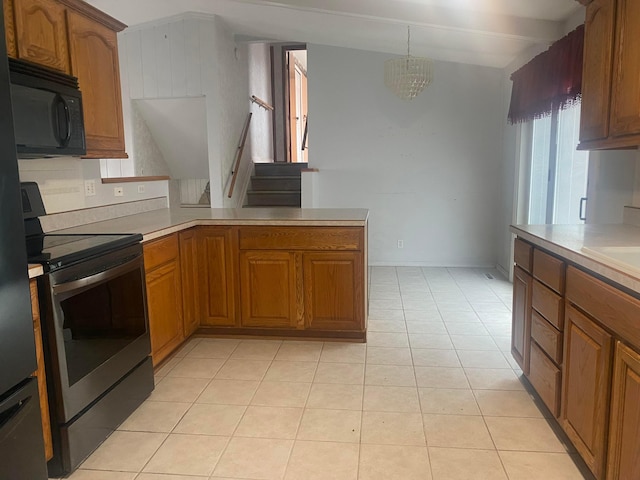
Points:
[(408, 76)]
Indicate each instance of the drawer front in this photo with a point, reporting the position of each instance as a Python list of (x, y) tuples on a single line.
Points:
[(523, 254), (549, 304), (614, 309), (549, 270), (161, 251), (547, 337), (545, 378), (301, 238)]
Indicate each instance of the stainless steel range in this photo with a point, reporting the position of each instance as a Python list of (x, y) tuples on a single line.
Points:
[(96, 333)]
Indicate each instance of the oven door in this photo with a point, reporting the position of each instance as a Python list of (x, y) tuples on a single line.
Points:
[(100, 326)]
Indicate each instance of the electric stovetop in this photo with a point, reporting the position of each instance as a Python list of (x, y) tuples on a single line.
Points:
[(55, 251)]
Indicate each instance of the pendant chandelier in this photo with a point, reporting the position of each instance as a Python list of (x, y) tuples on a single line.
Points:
[(408, 76)]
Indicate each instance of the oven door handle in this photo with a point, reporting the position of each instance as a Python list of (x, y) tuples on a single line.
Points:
[(100, 277)]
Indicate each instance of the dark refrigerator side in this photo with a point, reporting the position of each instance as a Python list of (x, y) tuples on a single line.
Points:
[(21, 445)]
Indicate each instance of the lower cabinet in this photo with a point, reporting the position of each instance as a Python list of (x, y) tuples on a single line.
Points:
[(586, 387), (164, 296), (624, 431), (521, 318), (40, 372), (333, 290), (217, 277), (268, 289), (190, 281)]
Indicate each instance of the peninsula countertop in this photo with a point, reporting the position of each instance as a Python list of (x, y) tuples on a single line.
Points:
[(158, 223), (569, 241)]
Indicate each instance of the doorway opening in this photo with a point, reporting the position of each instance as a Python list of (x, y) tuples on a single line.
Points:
[(289, 91)]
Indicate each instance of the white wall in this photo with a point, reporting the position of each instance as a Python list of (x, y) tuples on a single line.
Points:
[(611, 185), (428, 169), (192, 56), (261, 132), (61, 182)]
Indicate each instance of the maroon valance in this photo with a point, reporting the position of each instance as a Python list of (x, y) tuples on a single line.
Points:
[(551, 81)]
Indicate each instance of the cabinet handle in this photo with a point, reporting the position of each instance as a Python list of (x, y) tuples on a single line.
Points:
[(583, 210)]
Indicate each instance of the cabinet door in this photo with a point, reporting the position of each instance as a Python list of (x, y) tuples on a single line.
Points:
[(624, 455), (217, 276), (94, 60), (625, 114), (41, 33), (164, 296), (521, 318), (268, 289), (333, 296), (596, 78), (40, 372), (190, 281), (586, 378)]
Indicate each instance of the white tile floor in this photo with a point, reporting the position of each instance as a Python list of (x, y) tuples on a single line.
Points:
[(434, 394)]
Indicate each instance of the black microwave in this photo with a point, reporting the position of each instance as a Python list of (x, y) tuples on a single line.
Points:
[(47, 112)]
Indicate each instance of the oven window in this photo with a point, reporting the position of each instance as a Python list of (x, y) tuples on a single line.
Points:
[(101, 321)]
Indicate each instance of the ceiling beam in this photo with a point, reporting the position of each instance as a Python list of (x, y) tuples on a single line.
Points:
[(539, 31)]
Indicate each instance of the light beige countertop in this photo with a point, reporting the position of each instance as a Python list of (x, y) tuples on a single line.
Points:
[(158, 223), (35, 270), (569, 241)]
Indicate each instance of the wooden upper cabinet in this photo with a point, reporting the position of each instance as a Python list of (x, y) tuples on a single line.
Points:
[(596, 78), (94, 60), (625, 90), (40, 32)]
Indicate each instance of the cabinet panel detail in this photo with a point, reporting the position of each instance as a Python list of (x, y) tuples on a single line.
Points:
[(624, 452), (217, 276), (333, 291), (547, 337), (521, 318), (549, 270), (586, 385), (300, 238), (190, 281), (549, 304), (545, 378), (523, 254), (268, 289)]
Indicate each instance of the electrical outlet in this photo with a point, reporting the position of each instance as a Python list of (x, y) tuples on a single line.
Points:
[(118, 192), (140, 188), (400, 244), (89, 188)]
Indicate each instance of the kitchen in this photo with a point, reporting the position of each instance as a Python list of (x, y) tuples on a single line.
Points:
[(474, 184)]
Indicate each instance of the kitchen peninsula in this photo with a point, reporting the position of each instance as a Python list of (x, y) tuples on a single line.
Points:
[(576, 335), (250, 271)]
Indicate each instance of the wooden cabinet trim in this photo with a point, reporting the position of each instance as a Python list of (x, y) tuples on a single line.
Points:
[(523, 254), (549, 304), (547, 337), (521, 318), (94, 14), (586, 387), (160, 251), (613, 308), (301, 238), (10, 28), (40, 372), (549, 270), (545, 377), (624, 454)]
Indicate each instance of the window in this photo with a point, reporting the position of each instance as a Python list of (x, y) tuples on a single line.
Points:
[(558, 171)]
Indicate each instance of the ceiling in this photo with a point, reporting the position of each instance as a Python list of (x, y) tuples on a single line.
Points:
[(483, 32)]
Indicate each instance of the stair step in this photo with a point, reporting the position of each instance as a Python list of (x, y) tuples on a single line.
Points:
[(273, 198), (279, 169), (273, 183)]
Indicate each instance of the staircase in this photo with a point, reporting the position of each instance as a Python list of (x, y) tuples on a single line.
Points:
[(275, 185)]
